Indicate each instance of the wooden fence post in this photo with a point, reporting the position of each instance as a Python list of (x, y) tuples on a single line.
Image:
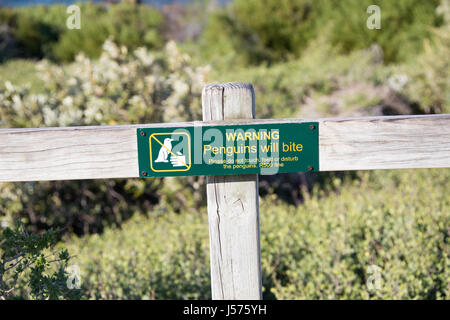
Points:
[(233, 207)]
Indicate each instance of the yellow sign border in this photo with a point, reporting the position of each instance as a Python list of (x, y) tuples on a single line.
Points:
[(169, 133)]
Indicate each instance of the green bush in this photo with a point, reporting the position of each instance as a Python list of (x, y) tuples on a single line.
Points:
[(322, 249), (429, 83), (26, 267), (322, 83), (263, 30), (37, 30), (41, 30), (255, 31), (129, 25), (404, 25), (326, 83), (21, 72), (395, 220), (164, 256), (121, 87)]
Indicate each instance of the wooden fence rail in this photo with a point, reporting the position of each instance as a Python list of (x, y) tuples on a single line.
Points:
[(99, 152)]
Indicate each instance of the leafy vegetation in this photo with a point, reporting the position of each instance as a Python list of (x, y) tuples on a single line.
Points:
[(324, 82), (257, 31), (147, 239), (430, 81), (396, 220), (121, 87), (41, 31), (21, 72), (26, 267)]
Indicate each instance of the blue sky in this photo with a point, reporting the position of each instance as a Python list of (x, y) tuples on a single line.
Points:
[(29, 2)]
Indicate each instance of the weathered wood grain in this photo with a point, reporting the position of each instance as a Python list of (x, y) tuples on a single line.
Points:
[(97, 152), (233, 209), (385, 143), (64, 154)]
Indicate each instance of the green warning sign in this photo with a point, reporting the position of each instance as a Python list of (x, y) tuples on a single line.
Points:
[(229, 149)]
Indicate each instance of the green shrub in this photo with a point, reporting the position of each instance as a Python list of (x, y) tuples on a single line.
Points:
[(126, 24), (296, 88), (395, 220), (34, 35), (326, 83), (404, 25), (26, 267), (41, 30), (21, 72), (35, 29), (429, 82), (322, 249), (263, 30), (274, 30), (121, 87), (163, 256)]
